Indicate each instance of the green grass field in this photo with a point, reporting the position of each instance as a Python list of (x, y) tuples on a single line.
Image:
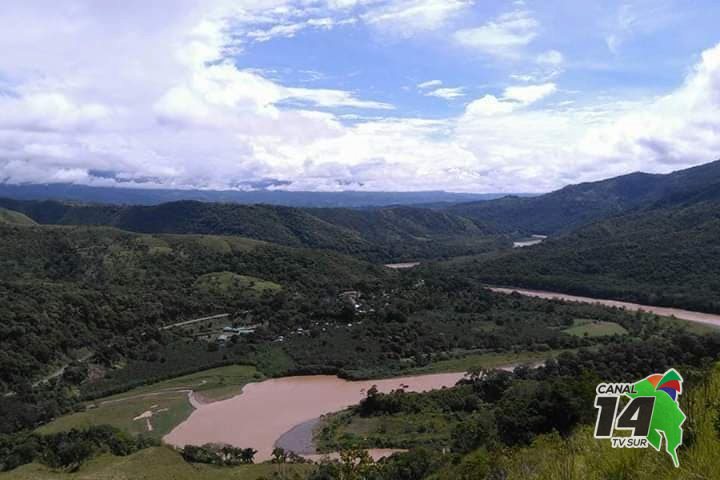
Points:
[(14, 218), (228, 282), (168, 402), (594, 328), (344, 430), (160, 463)]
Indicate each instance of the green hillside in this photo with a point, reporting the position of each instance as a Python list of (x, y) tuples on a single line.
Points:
[(665, 256), (578, 205), (14, 218), (371, 233), (157, 463), (71, 293)]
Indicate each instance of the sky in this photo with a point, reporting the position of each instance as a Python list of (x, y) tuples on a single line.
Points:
[(329, 95)]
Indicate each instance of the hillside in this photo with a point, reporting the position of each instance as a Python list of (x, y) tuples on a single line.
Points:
[(578, 205), (72, 291), (14, 218), (665, 256), (370, 233)]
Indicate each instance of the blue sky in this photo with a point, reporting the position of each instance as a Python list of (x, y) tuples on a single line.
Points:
[(457, 95)]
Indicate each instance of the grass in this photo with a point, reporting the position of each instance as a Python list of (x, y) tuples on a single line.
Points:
[(14, 218), (167, 400), (595, 328), (345, 430), (692, 327), (583, 457), (228, 282), (159, 463)]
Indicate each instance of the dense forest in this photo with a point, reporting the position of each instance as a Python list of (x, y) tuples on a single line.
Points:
[(381, 235), (666, 256), (578, 205)]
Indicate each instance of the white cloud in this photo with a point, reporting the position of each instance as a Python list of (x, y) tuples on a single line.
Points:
[(502, 36), (530, 94), (166, 104), (447, 93), (407, 17), (429, 84), (551, 57)]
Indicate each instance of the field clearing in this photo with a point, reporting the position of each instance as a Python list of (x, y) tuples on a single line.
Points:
[(228, 282), (168, 401), (595, 328), (343, 430), (159, 463)]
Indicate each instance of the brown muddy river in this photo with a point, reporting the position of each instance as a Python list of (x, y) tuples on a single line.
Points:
[(688, 315), (264, 411)]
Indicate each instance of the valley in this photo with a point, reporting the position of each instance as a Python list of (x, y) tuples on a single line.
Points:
[(331, 331)]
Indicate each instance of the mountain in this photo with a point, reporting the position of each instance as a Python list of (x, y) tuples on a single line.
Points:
[(391, 233), (578, 205), (668, 256), (143, 196)]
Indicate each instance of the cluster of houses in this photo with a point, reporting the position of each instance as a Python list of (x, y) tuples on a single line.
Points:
[(228, 332)]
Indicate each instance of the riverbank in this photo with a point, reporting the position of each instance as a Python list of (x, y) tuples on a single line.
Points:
[(265, 411), (690, 316)]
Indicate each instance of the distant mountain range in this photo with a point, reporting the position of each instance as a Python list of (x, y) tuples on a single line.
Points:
[(652, 239), (577, 205), (140, 196), (647, 238), (378, 234)]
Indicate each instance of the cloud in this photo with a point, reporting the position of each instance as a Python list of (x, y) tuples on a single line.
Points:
[(447, 93), (173, 105), (529, 94), (551, 57), (429, 84), (408, 17), (502, 36), (639, 17)]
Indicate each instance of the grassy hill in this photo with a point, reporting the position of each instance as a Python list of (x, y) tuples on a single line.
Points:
[(578, 205), (157, 463), (14, 218)]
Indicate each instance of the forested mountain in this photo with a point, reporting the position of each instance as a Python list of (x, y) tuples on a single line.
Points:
[(371, 233), (67, 288), (662, 256), (578, 205)]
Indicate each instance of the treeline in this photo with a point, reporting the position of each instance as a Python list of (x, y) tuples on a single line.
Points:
[(67, 450), (220, 455)]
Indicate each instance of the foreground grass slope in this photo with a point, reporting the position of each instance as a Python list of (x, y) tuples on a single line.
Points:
[(583, 457), (167, 401), (157, 463), (14, 218)]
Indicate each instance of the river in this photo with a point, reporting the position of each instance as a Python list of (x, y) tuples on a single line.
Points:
[(264, 411), (698, 317)]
